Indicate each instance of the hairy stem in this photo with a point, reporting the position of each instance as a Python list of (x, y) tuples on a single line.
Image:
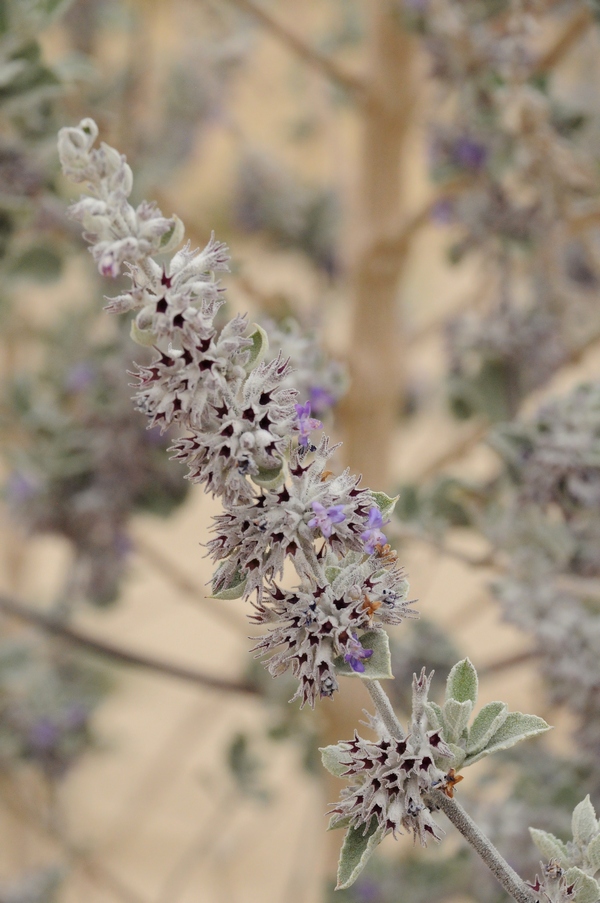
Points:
[(507, 877), (463, 822), (384, 709)]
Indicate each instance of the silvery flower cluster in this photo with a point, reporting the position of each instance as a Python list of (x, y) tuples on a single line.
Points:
[(391, 777), (245, 438), (569, 872), (515, 176), (314, 375), (549, 528), (47, 701), (79, 463)]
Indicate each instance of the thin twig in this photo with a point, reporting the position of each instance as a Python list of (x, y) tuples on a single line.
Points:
[(573, 31), (511, 661), (118, 654), (384, 709), (309, 54), (507, 877), (401, 531), (460, 447)]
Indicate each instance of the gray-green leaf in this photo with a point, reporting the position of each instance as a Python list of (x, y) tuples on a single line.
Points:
[(583, 822), (356, 850), (234, 589), (268, 478), (592, 854), (456, 717), (335, 760), (587, 889), (434, 715), (331, 573), (550, 846), (378, 666), (259, 347), (516, 727), (491, 717), (385, 503), (462, 683)]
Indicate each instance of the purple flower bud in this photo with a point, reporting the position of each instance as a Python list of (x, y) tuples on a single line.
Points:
[(79, 377), (43, 735), (443, 212), (20, 488), (305, 423), (320, 399), (356, 654), (373, 535), (470, 154), (325, 518)]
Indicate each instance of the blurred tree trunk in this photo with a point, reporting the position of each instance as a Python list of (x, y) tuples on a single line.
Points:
[(376, 351)]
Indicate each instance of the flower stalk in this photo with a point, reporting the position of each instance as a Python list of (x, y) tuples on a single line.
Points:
[(246, 439)]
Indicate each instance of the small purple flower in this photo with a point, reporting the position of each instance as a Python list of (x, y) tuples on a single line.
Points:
[(320, 399), (79, 377), (306, 423), (470, 154), (43, 735), (20, 488), (356, 654), (325, 518), (443, 211), (373, 536)]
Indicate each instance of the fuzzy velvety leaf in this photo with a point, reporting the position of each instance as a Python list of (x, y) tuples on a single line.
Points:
[(587, 890), (142, 336), (268, 479), (583, 822), (173, 238), (486, 723), (384, 502), (592, 854), (457, 760), (335, 760), (331, 573), (338, 821), (456, 717), (356, 850), (234, 589), (516, 727), (259, 347), (462, 682), (434, 715), (550, 846), (378, 666)]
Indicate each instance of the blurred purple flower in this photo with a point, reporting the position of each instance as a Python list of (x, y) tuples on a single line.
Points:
[(43, 734), (320, 399), (20, 488), (443, 211), (470, 154), (79, 377)]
